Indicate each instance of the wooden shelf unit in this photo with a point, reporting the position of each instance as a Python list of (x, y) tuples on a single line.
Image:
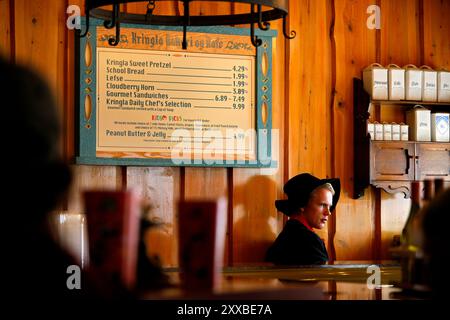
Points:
[(392, 165)]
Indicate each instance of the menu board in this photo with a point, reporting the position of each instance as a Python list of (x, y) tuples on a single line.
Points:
[(156, 101), (153, 100)]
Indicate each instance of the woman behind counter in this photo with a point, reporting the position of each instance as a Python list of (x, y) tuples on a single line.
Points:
[(310, 202)]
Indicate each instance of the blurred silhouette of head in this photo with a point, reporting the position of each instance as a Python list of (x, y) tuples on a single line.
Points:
[(37, 176), (36, 180)]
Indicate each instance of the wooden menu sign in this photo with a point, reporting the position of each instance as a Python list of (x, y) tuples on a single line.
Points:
[(148, 102)]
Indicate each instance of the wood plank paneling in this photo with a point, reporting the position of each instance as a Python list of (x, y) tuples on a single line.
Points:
[(394, 210), (159, 188), (205, 183), (312, 108), (400, 33), (39, 40), (436, 25), (91, 178), (160, 8), (436, 53), (400, 44), (355, 49), (5, 29), (212, 8), (309, 90), (255, 221)]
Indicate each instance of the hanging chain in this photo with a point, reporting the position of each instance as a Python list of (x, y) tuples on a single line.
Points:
[(150, 7)]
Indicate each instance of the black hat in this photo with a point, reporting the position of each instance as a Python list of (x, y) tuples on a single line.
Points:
[(298, 190)]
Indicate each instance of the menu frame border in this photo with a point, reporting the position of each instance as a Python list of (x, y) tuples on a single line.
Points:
[(85, 127)]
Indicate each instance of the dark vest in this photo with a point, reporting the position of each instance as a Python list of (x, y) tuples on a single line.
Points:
[(297, 245)]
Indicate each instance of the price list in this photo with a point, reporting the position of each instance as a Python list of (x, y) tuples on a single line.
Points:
[(148, 99)]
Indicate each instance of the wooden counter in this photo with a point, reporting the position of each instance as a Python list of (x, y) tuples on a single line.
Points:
[(339, 281)]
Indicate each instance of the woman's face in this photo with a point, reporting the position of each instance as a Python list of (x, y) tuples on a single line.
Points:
[(317, 209)]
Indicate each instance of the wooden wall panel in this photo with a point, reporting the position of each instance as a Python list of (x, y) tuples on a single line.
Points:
[(309, 90), (91, 178), (355, 49), (160, 189), (211, 8), (242, 250), (436, 23), (394, 212), (40, 42), (400, 44), (312, 108), (255, 221), (141, 7), (5, 29), (205, 183), (39, 39), (400, 32), (392, 113)]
